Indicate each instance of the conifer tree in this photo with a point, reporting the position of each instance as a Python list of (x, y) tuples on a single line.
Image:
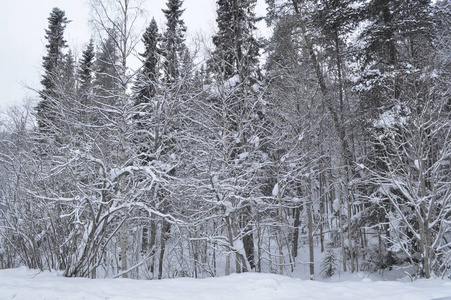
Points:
[(85, 84), (52, 63), (85, 72), (145, 88), (68, 81), (107, 82), (401, 32), (236, 48), (146, 83), (173, 41), (234, 67), (329, 264)]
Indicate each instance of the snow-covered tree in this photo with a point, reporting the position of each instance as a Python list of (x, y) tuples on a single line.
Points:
[(53, 64), (173, 40), (148, 78), (416, 184), (329, 266), (236, 47), (85, 73)]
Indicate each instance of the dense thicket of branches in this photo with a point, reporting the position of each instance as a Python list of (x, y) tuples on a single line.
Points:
[(202, 166)]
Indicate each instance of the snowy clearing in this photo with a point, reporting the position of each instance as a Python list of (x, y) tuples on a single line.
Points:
[(28, 284)]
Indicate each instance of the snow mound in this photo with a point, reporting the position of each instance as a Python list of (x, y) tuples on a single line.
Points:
[(22, 283), (268, 283)]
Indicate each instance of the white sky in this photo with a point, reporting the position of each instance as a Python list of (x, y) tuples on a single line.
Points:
[(22, 25)]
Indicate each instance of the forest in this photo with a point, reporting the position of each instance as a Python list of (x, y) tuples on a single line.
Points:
[(332, 137)]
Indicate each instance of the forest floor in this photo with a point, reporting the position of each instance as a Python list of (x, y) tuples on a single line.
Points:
[(23, 283)]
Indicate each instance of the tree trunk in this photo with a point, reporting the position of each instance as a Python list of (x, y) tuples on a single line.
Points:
[(152, 244), (280, 237), (248, 238), (165, 229), (230, 238), (350, 246), (145, 240), (310, 232), (123, 238), (340, 220), (322, 200), (297, 222)]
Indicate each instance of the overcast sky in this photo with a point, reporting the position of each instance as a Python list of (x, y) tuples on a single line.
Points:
[(22, 25)]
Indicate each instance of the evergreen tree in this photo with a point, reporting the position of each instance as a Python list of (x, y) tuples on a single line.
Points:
[(329, 264), (173, 41), (147, 81), (187, 68), (399, 38), (236, 113), (52, 63), (107, 82), (68, 81), (144, 89), (236, 48), (85, 84), (85, 72)]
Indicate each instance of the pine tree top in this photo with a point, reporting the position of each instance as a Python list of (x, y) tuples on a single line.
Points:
[(56, 43), (57, 25)]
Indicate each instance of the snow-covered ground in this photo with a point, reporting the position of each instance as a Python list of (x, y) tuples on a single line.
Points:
[(28, 284)]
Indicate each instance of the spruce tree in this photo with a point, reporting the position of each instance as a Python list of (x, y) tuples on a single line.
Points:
[(329, 265), (160, 118), (144, 89), (85, 72), (400, 35), (85, 83), (107, 82), (53, 64), (234, 68), (68, 81), (173, 41), (146, 83), (236, 48)]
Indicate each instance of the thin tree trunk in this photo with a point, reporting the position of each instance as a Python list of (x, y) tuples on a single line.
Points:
[(152, 245), (279, 199), (145, 240), (123, 237), (165, 229), (297, 222), (230, 238), (350, 246), (310, 231), (248, 238), (259, 246), (423, 222), (214, 251), (342, 240), (322, 198)]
